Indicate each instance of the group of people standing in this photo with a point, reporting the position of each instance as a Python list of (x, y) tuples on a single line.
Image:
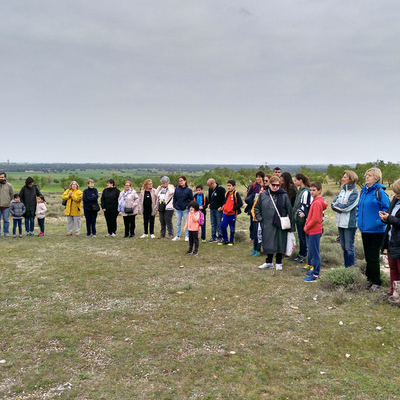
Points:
[(277, 204)]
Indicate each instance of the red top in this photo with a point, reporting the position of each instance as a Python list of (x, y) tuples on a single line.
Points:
[(313, 225), (228, 206)]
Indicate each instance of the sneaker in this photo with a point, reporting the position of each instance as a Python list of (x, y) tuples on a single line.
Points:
[(93, 235), (257, 253), (153, 236), (7, 235), (113, 234), (108, 235), (132, 235), (310, 278), (298, 259), (176, 238), (278, 267), (189, 253), (230, 244), (170, 236), (144, 236), (223, 243), (266, 266), (87, 235), (212, 241), (309, 273), (14, 236), (203, 240), (195, 253), (374, 288), (186, 238), (41, 234), (20, 236), (252, 252), (307, 267), (126, 236)]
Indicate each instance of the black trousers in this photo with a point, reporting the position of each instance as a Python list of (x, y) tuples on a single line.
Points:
[(129, 222), (194, 240), (111, 219), (148, 219), (372, 243), (166, 222), (90, 217)]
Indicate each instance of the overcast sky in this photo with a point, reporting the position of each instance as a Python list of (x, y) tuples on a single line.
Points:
[(207, 81)]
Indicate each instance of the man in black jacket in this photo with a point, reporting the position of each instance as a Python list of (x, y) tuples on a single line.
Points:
[(216, 197)]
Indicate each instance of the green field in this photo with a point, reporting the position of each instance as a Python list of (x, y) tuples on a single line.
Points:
[(104, 318)]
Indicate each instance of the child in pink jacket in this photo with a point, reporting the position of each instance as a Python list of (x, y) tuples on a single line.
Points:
[(192, 224)]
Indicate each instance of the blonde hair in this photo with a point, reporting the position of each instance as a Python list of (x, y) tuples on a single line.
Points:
[(376, 172), (274, 178), (396, 186), (130, 183), (76, 183), (353, 177), (145, 183)]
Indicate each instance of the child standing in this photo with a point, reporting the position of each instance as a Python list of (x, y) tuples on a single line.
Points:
[(313, 230), (41, 213), (201, 199), (231, 209), (17, 210), (192, 224)]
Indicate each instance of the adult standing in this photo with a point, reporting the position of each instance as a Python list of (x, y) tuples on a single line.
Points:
[(216, 198), (182, 197), (165, 195), (6, 197), (277, 172), (391, 240), (148, 207), (29, 194), (90, 207), (109, 204), (73, 208), (301, 209), (128, 202), (372, 200), (274, 238), (345, 205)]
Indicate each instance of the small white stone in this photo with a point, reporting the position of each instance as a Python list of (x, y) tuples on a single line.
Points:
[(347, 355), (340, 322), (2, 361), (379, 328)]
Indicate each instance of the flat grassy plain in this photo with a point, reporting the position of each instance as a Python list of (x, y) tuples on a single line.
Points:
[(115, 318)]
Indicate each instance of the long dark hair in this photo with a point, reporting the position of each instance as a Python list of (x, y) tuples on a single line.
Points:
[(287, 183), (303, 178)]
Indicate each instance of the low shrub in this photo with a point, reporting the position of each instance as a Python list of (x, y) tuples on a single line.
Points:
[(349, 279)]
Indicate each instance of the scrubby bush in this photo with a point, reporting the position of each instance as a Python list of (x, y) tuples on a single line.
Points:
[(349, 279)]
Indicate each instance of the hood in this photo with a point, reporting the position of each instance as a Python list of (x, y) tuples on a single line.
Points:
[(322, 201), (375, 186)]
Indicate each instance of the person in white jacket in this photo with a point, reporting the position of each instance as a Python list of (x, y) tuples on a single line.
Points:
[(41, 213)]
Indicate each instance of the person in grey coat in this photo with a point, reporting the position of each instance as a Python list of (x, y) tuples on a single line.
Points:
[(274, 239)]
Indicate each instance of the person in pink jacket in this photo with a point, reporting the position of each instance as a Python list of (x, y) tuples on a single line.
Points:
[(313, 230), (192, 225)]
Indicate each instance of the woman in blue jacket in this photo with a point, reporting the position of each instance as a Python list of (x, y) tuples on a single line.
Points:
[(372, 200), (182, 197)]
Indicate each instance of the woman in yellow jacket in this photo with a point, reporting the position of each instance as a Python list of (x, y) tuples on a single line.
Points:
[(73, 208)]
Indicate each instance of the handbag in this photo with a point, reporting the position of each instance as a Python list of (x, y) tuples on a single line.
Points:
[(285, 221), (96, 207), (163, 206), (128, 210), (64, 203)]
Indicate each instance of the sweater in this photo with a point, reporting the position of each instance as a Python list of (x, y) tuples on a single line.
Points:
[(41, 210), (192, 221), (109, 199), (313, 225), (6, 194)]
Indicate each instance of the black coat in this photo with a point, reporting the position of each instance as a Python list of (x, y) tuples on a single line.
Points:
[(28, 196), (394, 222), (109, 199)]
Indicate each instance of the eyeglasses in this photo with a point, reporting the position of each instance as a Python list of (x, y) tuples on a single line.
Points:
[(275, 184), (266, 180)]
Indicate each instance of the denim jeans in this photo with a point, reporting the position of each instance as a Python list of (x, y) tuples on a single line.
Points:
[(313, 251), (91, 217), (215, 217), (6, 220), (179, 214), (17, 223), (29, 224), (347, 242), (302, 240)]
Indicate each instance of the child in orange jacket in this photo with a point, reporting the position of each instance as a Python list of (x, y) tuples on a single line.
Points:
[(192, 225)]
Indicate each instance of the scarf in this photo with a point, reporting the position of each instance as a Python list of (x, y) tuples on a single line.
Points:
[(122, 202)]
